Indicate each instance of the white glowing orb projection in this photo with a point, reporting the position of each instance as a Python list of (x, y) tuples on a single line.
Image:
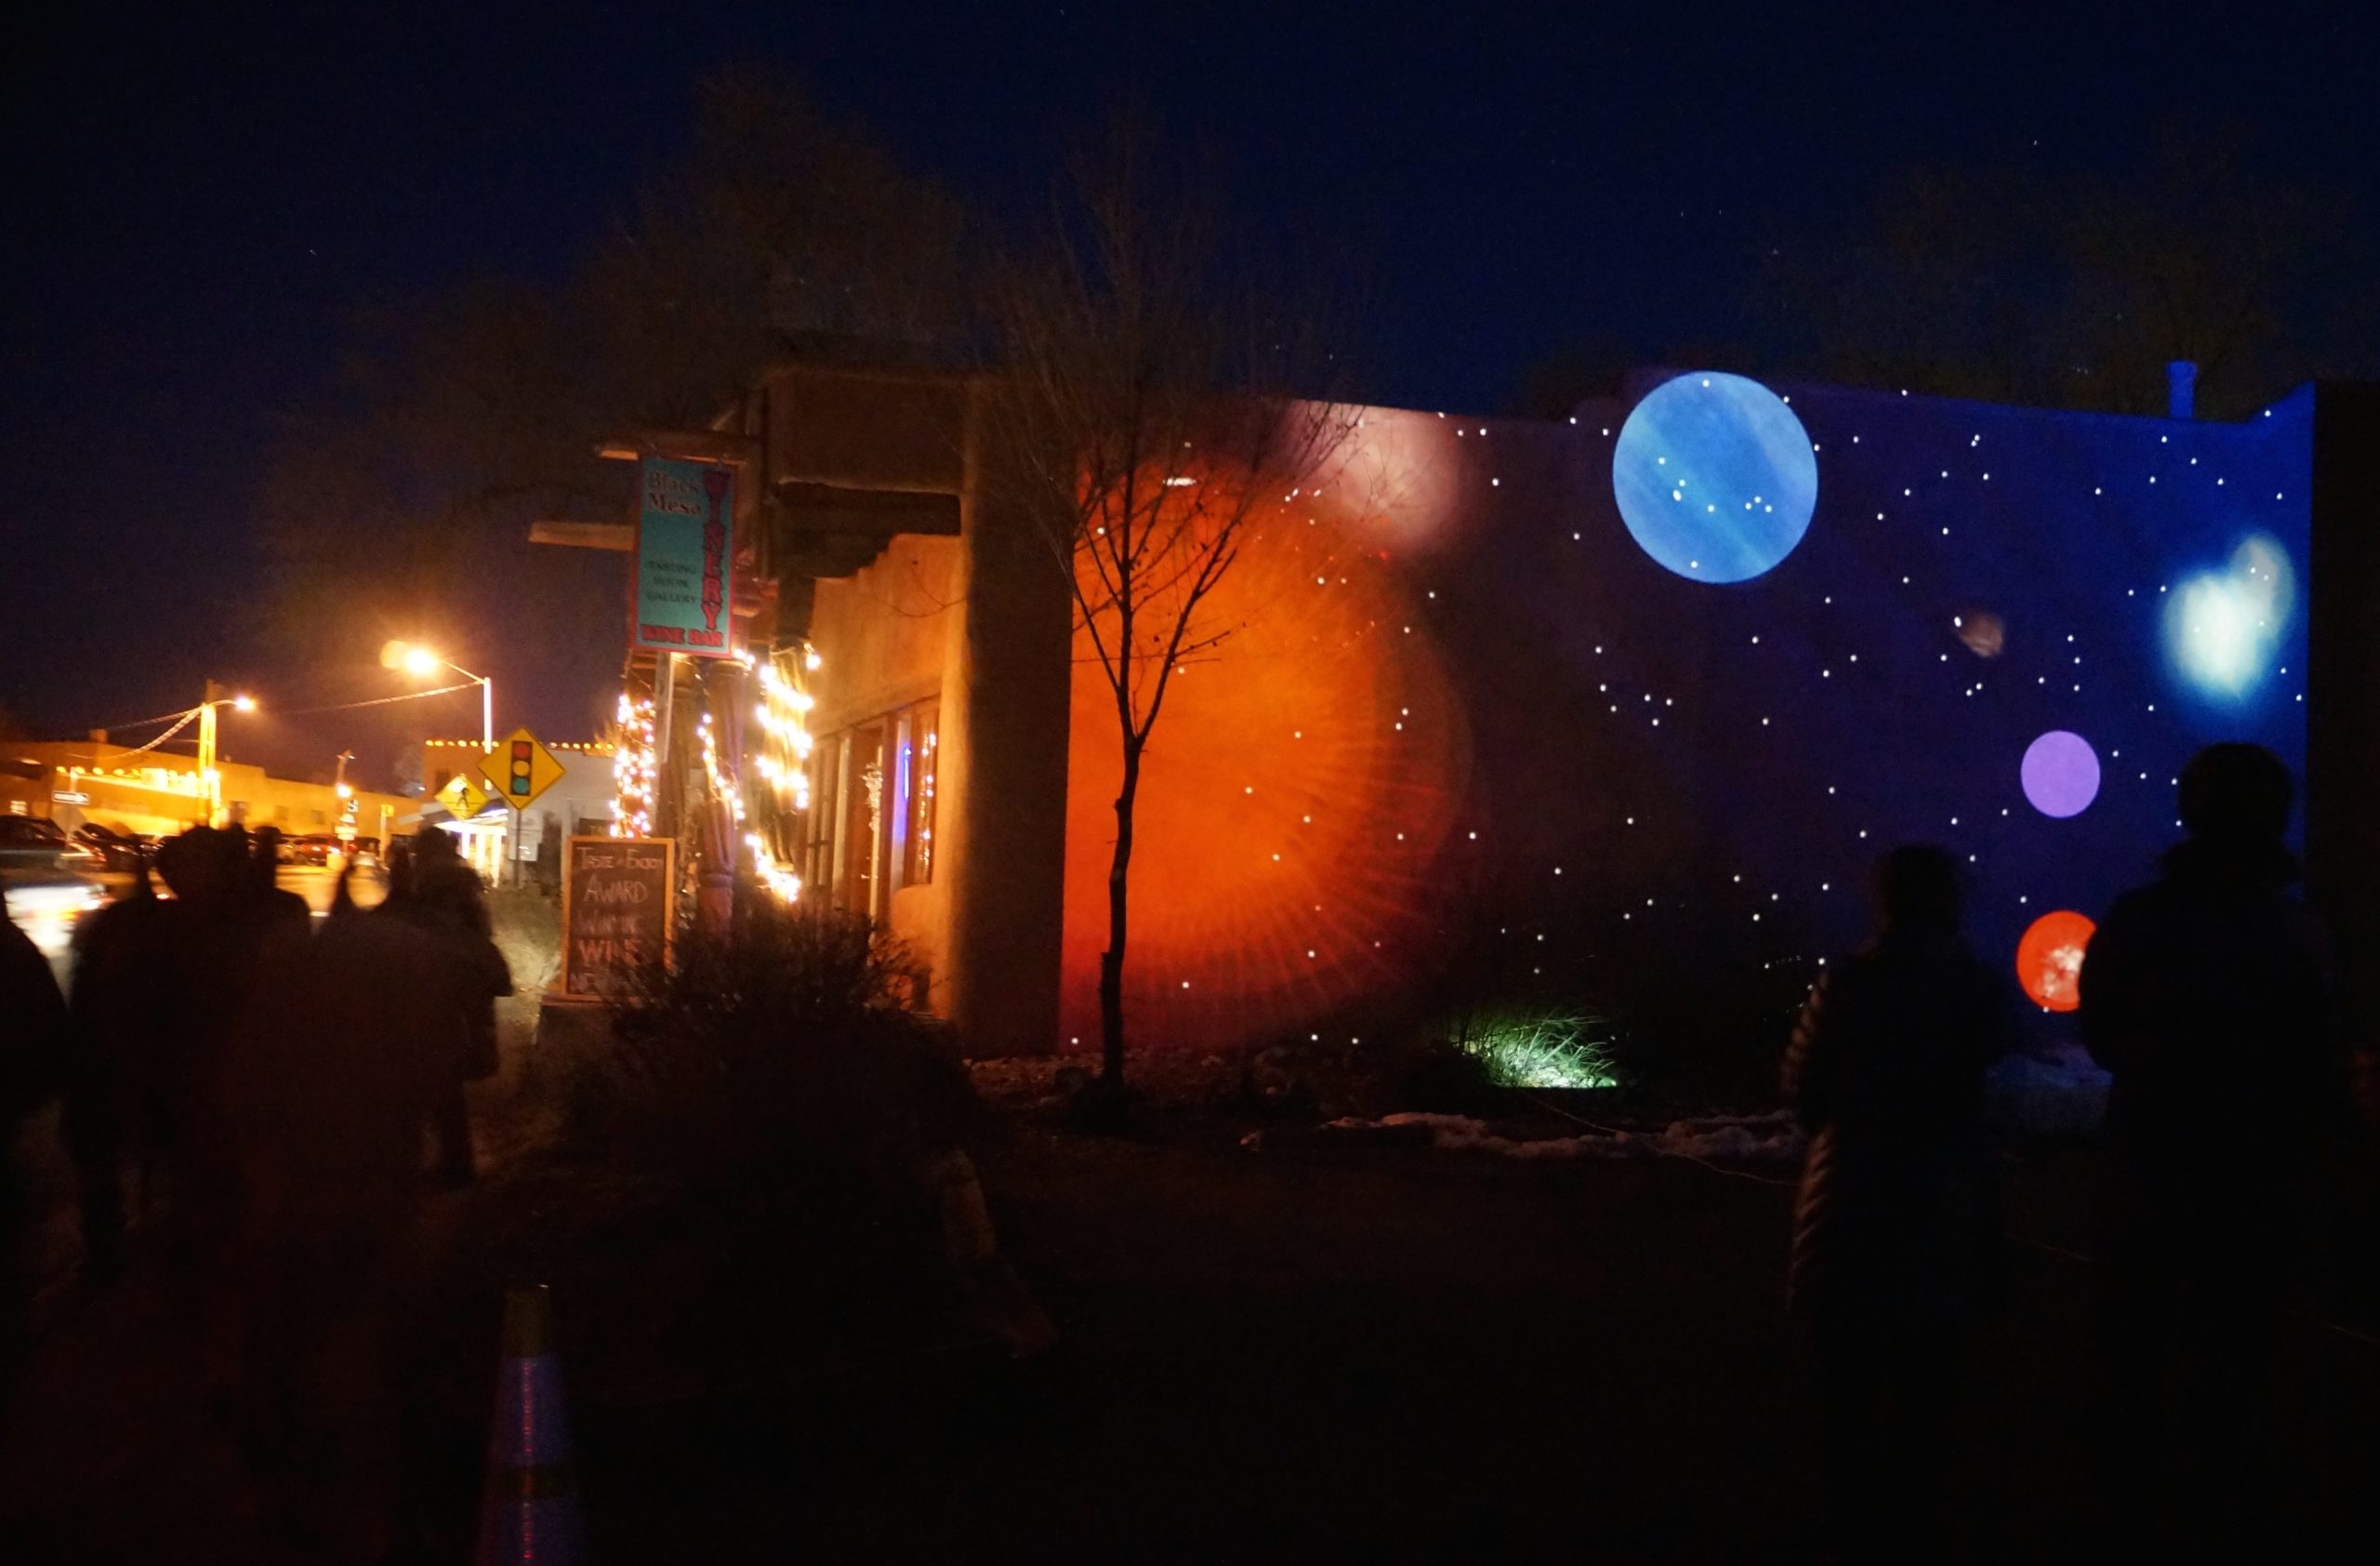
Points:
[(1394, 476), (2223, 628), (1715, 477)]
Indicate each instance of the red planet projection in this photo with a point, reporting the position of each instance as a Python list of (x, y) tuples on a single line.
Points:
[(2049, 959)]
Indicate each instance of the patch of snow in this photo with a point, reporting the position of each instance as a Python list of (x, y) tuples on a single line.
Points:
[(1738, 1138)]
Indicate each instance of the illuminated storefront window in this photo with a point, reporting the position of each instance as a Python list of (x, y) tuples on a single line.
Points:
[(872, 822)]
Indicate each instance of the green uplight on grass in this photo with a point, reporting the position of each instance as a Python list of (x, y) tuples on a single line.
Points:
[(1544, 1049)]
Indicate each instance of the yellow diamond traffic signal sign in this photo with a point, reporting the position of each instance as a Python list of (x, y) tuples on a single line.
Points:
[(520, 768), (462, 797)]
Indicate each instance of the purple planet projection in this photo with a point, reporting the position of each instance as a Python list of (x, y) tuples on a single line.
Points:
[(2061, 774)]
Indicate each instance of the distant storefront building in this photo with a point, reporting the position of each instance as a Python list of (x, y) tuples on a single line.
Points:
[(80, 781)]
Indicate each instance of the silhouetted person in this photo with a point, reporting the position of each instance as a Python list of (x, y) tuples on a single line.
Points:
[(343, 903), (441, 895), (2209, 995), (121, 1028), (33, 1026), (336, 1064), (1897, 1227), (277, 907), (215, 930)]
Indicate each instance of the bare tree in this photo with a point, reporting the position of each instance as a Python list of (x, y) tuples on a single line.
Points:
[(1153, 413)]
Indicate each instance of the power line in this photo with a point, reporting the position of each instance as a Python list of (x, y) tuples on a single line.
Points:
[(183, 712), (376, 702), (169, 733)]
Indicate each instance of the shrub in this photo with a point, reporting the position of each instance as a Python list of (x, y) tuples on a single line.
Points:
[(776, 1050), (1549, 1046)]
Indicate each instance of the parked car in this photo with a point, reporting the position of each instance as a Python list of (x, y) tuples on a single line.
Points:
[(41, 869), (32, 843), (116, 851), (311, 850)]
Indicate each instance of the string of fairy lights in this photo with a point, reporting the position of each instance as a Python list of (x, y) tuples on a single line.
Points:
[(635, 767), (763, 787)]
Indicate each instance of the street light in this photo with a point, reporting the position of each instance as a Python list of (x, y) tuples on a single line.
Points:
[(207, 773), (421, 663)]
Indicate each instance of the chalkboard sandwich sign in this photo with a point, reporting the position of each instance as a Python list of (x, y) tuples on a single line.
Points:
[(618, 898)]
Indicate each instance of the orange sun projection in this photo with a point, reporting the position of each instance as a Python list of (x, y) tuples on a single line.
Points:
[(1298, 783)]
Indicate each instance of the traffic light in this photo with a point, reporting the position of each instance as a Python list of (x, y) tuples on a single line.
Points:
[(516, 781)]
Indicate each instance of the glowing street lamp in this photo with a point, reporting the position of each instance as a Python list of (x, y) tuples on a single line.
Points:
[(208, 773), (421, 663)]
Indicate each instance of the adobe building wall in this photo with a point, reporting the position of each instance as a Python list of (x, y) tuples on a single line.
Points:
[(1005, 689), (978, 624), (1471, 740), (886, 636), (1491, 750)]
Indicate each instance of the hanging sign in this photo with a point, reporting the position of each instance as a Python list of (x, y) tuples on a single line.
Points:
[(684, 557), (616, 902)]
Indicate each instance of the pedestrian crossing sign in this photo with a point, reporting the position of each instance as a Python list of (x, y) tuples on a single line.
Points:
[(520, 768), (462, 797)]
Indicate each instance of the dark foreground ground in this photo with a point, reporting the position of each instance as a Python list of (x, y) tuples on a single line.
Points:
[(1393, 1354), (1294, 1353)]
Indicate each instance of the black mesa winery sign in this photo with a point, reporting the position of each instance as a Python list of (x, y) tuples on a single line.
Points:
[(615, 914)]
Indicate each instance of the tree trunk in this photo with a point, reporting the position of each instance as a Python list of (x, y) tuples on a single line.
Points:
[(1111, 962)]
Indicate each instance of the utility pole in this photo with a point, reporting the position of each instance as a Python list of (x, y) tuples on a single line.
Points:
[(210, 775), (209, 778)]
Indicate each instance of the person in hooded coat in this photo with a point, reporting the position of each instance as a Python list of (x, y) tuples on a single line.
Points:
[(208, 950), (441, 894), (338, 1059), (1897, 1224), (121, 1036)]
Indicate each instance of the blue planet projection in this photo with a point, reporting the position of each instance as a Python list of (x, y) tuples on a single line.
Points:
[(1715, 477)]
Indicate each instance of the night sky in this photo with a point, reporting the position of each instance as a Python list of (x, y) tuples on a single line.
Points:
[(200, 204)]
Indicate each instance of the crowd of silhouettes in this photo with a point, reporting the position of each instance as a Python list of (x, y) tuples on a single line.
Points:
[(270, 1092), (256, 1095), (2209, 997)]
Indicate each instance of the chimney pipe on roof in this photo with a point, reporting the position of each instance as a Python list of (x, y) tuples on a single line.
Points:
[(2181, 390)]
